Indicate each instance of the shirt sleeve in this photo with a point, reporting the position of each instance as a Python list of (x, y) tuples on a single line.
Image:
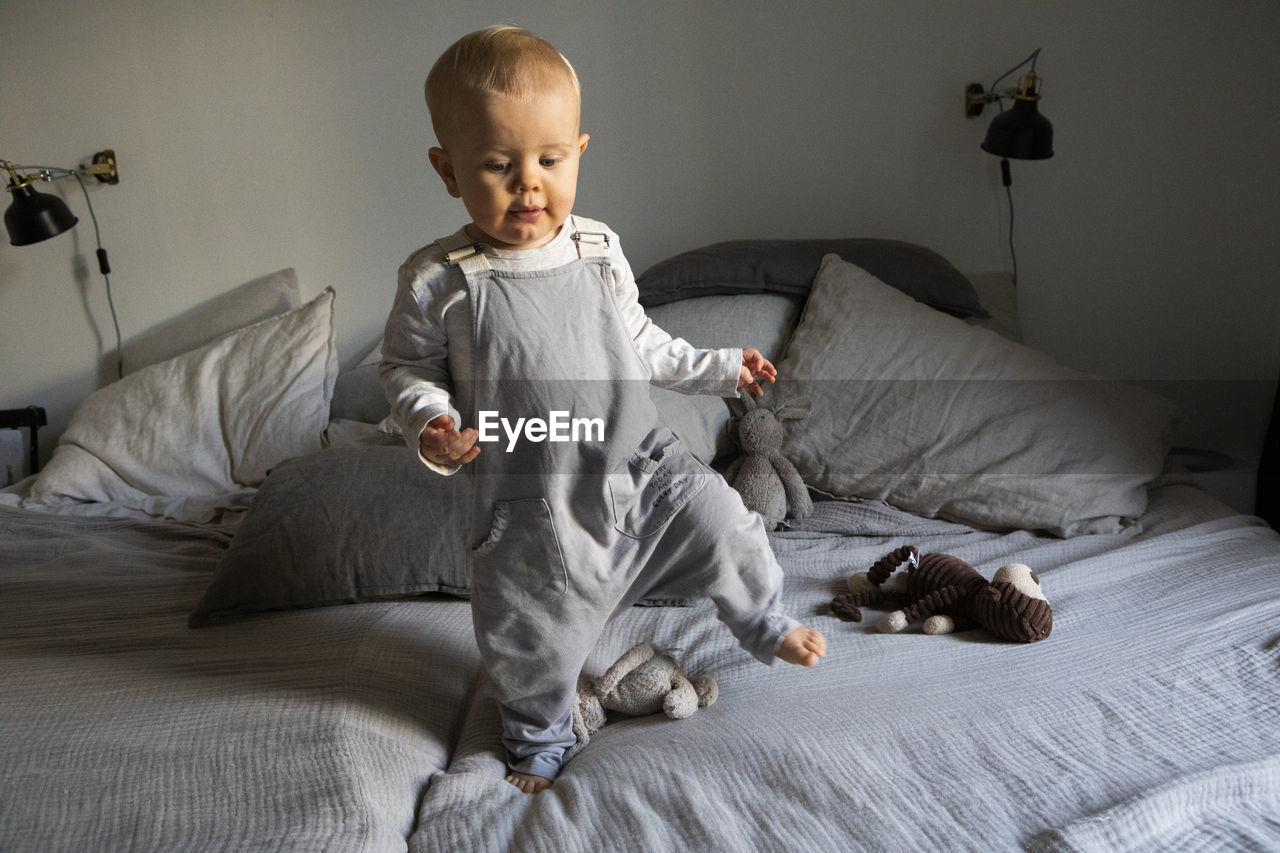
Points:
[(673, 362), (414, 371)]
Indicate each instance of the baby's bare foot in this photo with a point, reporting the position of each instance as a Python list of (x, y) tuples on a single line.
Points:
[(802, 646), (528, 782)]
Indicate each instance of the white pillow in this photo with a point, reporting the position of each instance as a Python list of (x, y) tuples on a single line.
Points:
[(919, 409), (175, 437), (266, 296)]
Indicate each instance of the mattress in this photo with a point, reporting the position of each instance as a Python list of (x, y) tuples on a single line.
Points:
[(1147, 720)]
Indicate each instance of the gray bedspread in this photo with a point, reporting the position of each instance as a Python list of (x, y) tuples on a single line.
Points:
[(1148, 720), (120, 729)]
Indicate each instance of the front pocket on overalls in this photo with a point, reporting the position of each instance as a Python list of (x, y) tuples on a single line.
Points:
[(648, 492), (520, 563)]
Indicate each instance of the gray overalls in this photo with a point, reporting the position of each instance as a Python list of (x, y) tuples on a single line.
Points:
[(566, 534)]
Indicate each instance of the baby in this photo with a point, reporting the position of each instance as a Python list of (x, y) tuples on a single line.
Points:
[(528, 318)]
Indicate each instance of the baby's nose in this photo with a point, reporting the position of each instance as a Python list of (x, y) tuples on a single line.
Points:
[(528, 178)]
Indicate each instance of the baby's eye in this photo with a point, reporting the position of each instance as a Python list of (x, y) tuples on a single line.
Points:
[(497, 167), (549, 162)]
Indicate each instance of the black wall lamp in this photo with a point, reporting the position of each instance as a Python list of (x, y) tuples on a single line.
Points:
[(1020, 133), (33, 217)]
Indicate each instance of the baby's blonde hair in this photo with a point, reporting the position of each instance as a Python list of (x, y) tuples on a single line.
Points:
[(503, 60)]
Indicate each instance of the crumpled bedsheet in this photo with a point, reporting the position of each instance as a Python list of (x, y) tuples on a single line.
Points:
[(1148, 720)]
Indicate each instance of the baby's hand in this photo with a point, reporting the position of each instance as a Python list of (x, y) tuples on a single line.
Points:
[(442, 444), (755, 365)]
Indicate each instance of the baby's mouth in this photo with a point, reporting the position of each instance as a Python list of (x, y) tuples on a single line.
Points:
[(526, 214)]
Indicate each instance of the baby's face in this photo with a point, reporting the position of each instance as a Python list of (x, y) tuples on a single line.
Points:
[(515, 165)]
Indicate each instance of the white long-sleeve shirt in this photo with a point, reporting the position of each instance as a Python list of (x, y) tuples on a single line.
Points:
[(427, 342)]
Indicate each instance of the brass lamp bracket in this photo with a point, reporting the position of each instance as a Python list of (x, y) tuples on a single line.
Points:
[(975, 97), (974, 100), (103, 167), (16, 181)]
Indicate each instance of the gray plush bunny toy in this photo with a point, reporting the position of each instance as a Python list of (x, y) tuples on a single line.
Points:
[(768, 482), (642, 681)]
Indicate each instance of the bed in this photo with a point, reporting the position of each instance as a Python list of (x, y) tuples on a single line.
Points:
[(232, 616)]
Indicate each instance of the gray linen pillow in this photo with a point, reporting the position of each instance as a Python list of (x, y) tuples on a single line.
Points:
[(943, 419), (789, 266), (760, 320), (357, 396), (340, 526), (347, 525)]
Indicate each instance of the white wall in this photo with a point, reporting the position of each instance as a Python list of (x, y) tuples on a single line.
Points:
[(255, 135)]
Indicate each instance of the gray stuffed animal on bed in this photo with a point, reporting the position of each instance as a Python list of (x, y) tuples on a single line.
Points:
[(642, 681), (768, 482)]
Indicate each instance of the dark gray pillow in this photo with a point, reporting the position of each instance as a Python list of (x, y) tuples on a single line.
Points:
[(347, 525), (357, 396), (340, 526), (789, 266)]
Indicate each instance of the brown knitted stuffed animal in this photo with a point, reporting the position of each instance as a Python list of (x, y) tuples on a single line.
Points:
[(950, 595)]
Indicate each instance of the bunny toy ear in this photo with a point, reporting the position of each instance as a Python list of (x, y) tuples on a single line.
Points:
[(742, 404)]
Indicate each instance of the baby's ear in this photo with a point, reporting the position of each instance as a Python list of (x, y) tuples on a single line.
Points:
[(443, 164)]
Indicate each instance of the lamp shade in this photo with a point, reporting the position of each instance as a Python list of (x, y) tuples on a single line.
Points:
[(1020, 133), (34, 216)]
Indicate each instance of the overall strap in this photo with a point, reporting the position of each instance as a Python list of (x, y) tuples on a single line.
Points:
[(460, 251), (591, 244), (465, 254)]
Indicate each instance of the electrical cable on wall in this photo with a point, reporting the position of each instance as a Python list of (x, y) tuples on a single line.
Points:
[(105, 268), (1013, 253), (1008, 191)]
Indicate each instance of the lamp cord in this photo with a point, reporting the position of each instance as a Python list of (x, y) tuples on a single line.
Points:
[(1006, 178), (105, 268), (1008, 190), (1031, 59)]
